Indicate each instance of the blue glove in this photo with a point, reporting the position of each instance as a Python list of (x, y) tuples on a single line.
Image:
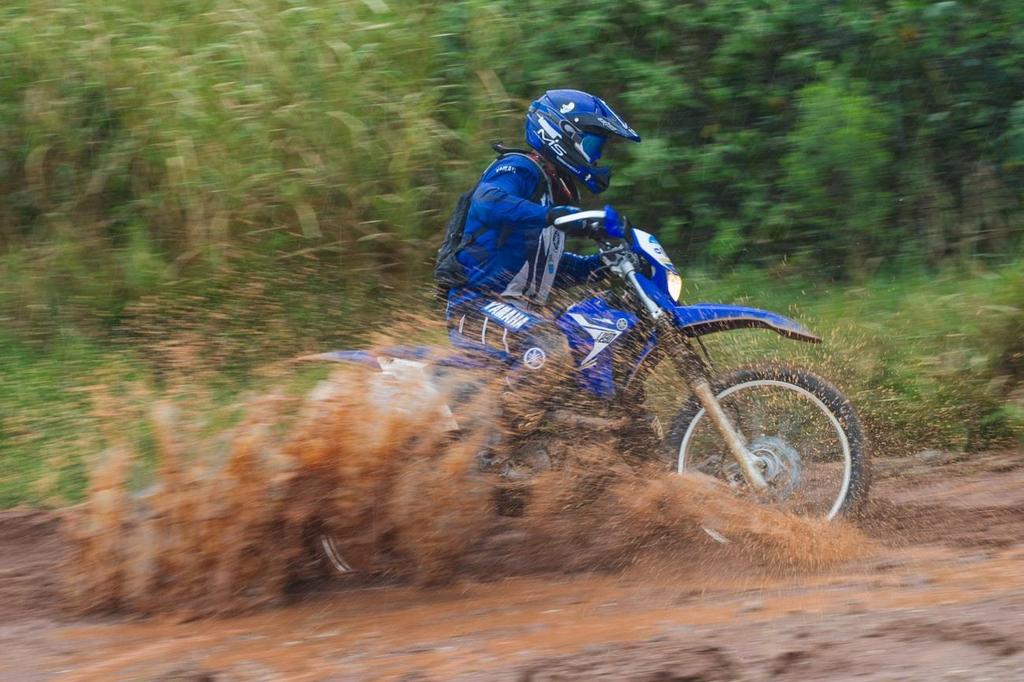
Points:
[(611, 227), (614, 225)]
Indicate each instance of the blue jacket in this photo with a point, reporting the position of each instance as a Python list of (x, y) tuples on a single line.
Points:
[(512, 251)]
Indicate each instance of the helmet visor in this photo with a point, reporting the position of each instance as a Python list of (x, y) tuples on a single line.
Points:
[(592, 145)]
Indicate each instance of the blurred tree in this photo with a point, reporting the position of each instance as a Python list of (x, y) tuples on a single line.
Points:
[(835, 177), (139, 141)]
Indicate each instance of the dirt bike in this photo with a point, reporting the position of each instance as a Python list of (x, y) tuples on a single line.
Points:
[(778, 433)]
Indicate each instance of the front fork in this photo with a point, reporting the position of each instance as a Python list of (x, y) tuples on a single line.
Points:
[(695, 372)]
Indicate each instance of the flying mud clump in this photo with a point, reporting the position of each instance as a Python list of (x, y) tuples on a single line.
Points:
[(232, 522)]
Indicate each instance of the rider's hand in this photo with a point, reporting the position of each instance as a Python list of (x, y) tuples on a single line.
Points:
[(613, 225)]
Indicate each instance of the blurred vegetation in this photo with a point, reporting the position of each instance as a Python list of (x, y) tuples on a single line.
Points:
[(140, 141), (251, 178)]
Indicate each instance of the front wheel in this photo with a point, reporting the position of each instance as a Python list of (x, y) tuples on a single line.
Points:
[(803, 433)]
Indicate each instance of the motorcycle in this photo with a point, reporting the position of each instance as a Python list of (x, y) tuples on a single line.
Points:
[(780, 434)]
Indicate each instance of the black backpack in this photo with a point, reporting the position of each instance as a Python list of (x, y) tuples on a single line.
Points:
[(448, 271)]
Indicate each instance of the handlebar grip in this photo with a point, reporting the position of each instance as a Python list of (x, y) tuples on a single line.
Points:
[(582, 215)]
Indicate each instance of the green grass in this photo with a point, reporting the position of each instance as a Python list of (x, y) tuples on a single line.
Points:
[(45, 423), (929, 361)]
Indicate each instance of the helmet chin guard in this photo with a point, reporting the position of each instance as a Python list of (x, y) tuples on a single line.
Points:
[(562, 125)]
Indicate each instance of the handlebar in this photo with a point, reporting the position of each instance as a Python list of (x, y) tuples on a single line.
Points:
[(581, 215), (618, 257)]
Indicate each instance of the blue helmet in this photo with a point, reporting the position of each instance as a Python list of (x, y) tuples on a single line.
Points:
[(569, 127)]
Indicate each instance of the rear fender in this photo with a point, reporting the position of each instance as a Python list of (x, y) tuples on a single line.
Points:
[(355, 357), (416, 355), (706, 318), (402, 385)]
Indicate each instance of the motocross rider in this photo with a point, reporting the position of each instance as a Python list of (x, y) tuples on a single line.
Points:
[(512, 253)]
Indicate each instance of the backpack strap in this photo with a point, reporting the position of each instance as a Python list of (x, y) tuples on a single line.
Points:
[(533, 156), (542, 190)]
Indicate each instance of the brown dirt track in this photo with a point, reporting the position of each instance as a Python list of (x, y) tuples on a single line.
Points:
[(942, 600)]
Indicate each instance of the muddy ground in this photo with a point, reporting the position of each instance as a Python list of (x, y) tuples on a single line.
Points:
[(941, 599)]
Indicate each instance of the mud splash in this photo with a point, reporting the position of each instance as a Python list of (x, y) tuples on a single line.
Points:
[(661, 520), (232, 521)]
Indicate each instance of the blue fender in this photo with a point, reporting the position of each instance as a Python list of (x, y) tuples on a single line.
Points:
[(705, 318)]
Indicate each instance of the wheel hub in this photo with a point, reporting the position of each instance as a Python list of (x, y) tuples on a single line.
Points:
[(779, 463)]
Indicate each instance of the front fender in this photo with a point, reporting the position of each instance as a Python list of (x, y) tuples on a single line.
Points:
[(705, 318)]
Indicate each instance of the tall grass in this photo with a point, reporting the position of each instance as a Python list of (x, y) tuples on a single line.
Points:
[(137, 138)]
